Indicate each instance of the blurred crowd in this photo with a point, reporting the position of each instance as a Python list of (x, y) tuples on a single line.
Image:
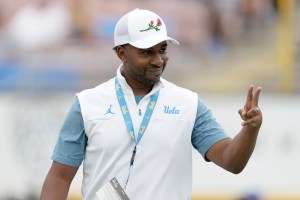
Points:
[(208, 25), (60, 44)]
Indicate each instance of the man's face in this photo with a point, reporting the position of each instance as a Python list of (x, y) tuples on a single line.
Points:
[(145, 66)]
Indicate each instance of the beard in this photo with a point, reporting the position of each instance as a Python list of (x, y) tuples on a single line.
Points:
[(141, 79), (145, 79)]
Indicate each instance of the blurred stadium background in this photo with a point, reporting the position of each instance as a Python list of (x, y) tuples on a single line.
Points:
[(51, 49)]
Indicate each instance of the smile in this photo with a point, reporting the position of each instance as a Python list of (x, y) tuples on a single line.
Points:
[(155, 71)]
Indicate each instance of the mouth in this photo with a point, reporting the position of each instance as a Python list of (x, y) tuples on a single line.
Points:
[(155, 71)]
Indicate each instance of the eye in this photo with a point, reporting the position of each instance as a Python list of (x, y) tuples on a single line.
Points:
[(147, 52), (163, 50)]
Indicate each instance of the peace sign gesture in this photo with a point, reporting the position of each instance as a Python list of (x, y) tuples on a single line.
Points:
[(251, 114)]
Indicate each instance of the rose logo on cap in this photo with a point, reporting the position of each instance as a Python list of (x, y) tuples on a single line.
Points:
[(151, 26)]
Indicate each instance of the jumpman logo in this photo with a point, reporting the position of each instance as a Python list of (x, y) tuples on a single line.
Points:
[(109, 111)]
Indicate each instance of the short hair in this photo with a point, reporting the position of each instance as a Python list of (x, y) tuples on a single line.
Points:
[(116, 47)]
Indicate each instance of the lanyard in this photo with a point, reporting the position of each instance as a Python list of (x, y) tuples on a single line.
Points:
[(128, 120), (126, 114)]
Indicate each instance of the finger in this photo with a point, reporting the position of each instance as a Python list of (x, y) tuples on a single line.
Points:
[(252, 112), (242, 113), (249, 97), (253, 122), (256, 96)]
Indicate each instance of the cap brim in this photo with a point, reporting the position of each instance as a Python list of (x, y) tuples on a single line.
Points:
[(152, 41)]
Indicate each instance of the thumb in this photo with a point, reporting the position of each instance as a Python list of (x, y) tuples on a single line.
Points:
[(242, 113)]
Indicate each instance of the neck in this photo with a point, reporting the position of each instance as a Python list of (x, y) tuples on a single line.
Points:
[(137, 88), (139, 91)]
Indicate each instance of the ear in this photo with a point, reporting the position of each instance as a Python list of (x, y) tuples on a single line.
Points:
[(121, 53)]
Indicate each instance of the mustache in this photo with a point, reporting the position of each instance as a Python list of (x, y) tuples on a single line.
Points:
[(157, 66)]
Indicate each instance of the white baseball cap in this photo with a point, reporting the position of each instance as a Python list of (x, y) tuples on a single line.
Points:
[(142, 29)]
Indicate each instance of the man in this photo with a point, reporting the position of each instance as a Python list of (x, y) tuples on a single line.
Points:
[(137, 129)]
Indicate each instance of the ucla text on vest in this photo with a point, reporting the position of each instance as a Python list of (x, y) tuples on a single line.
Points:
[(169, 110)]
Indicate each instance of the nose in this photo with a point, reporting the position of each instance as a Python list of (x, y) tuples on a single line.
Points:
[(157, 60)]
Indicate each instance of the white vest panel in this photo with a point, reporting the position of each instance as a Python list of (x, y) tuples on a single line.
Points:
[(163, 163)]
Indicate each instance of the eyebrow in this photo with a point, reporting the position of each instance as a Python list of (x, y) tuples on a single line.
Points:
[(164, 45)]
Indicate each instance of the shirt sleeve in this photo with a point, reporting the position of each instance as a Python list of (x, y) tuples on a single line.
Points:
[(72, 140), (207, 131)]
